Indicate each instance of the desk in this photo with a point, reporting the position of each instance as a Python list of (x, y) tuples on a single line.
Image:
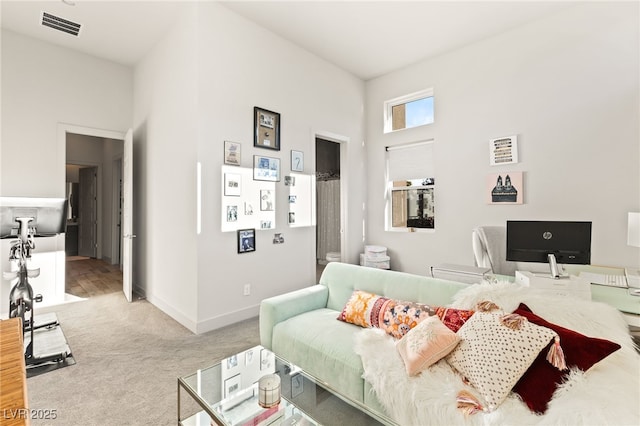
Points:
[(619, 298), (13, 375)]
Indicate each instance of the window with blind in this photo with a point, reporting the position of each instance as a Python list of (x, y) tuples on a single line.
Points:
[(411, 183)]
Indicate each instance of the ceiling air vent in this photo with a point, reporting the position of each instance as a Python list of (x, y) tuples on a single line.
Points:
[(60, 24)]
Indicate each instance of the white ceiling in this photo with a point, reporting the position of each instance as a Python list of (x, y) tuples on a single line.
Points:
[(366, 38)]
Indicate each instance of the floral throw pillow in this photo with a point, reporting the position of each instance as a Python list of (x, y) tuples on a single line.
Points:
[(363, 309), (426, 344), (493, 356), (393, 316)]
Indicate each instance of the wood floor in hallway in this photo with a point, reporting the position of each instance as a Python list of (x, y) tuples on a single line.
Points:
[(87, 277)]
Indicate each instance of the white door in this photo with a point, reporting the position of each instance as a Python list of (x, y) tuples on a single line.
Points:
[(127, 216)]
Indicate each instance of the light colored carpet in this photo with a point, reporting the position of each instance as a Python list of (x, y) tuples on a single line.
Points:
[(128, 358)]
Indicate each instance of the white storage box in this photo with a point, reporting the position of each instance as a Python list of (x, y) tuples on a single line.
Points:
[(375, 252), (380, 263), (333, 256)]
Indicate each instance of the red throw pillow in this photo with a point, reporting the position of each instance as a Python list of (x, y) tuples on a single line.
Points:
[(537, 385), (453, 318)]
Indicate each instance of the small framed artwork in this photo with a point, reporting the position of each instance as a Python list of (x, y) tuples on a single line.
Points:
[(503, 150), (232, 362), (246, 240), (292, 217), (232, 184), (266, 168), (297, 385), (297, 161), (266, 200), (232, 153), (289, 181), (267, 360), (232, 213), (266, 129), (265, 224), (505, 188), (232, 385), (250, 357)]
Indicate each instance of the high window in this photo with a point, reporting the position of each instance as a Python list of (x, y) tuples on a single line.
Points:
[(415, 109)]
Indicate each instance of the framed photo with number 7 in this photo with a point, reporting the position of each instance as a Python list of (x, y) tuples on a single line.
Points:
[(297, 161)]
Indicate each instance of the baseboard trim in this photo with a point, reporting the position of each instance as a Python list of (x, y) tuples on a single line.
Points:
[(210, 324), (187, 322), (229, 318)]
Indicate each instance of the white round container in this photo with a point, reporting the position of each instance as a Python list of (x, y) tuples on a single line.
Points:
[(269, 391)]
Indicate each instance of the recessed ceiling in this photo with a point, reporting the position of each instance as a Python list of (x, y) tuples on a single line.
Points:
[(366, 38)]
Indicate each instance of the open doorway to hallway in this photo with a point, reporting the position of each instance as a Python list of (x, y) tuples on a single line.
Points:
[(328, 211), (93, 182)]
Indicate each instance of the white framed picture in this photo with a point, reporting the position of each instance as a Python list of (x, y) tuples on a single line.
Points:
[(232, 385), (297, 161), (232, 184), (503, 150), (266, 168), (232, 153)]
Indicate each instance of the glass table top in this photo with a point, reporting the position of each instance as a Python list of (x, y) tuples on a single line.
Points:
[(227, 392)]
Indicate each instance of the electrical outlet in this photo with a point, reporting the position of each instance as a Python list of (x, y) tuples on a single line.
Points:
[(247, 289)]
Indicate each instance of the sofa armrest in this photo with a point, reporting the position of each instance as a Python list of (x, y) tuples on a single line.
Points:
[(282, 307)]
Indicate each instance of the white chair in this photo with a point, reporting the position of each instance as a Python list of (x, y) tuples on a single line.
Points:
[(490, 249)]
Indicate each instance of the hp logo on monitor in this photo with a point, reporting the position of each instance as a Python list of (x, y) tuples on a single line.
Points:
[(547, 235)]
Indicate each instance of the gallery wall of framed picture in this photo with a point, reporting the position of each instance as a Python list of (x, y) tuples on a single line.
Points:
[(301, 199), (255, 177), (246, 203)]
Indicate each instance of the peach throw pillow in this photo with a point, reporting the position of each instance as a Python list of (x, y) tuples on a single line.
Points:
[(426, 344)]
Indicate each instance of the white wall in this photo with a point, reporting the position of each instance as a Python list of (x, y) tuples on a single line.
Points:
[(165, 144), (44, 85), (242, 65), (567, 85), (196, 89)]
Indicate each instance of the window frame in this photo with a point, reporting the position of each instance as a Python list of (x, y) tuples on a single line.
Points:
[(415, 183), (405, 99)]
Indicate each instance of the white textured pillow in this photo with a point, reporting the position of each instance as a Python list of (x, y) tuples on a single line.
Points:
[(493, 356), (426, 344)]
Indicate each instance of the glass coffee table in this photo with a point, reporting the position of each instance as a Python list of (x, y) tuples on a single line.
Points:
[(227, 394)]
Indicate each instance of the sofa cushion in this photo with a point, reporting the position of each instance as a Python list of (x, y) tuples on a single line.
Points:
[(493, 356), (395, 317), (453, 318), (426, 344), (323, 347), (537, 385)]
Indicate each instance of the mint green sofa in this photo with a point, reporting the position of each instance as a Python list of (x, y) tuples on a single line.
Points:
[(301, 326)]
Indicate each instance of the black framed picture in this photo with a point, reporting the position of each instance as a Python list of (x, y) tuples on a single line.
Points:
[(246, 240), (266, 129)]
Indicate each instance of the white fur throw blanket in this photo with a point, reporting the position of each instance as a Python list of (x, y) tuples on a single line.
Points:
[(607, 394)]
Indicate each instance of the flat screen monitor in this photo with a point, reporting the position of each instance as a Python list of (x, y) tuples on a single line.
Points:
[(535, 241), (49, 215)]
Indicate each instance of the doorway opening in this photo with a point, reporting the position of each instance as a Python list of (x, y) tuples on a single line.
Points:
[(93, 182), (328, 204)]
